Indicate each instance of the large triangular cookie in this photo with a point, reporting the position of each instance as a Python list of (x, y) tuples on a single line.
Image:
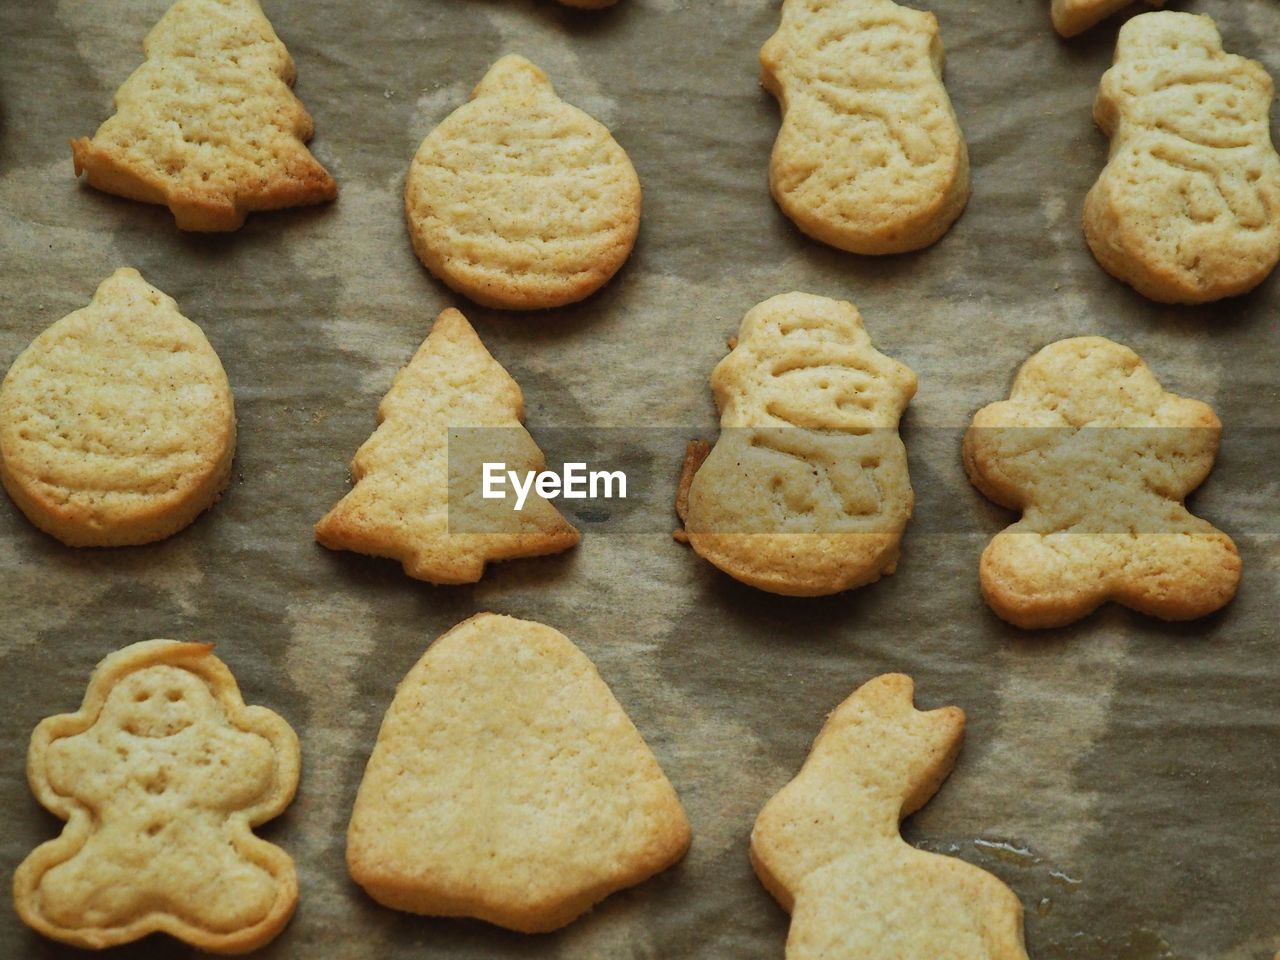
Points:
[(508, 784)]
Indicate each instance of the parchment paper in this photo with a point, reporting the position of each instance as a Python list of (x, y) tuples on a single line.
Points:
[(1121, 774)]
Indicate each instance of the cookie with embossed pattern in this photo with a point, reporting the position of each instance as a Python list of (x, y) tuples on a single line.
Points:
[(1187, 209), (417, 482), (117, 425), (806, 491), (161, 776), (208, 124), (519, 200), (1099, 458), (870, 157)]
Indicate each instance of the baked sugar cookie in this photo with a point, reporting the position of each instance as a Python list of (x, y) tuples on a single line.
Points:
[(160, 776), (1187, 209), (870, 157), (208, 125), (806, 492), (519, 200), (116, 424), (1071, 17), (508, 784), (1099, 458), (827, 845), (417, 480)]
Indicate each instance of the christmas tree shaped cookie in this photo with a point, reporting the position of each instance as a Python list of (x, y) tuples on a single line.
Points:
[(519, 200), (1187, 209), (827, 845), (161, 776), (870, 157), (806, 492), (116, 424), (1099, 458), (417, 494), (508, 784), (208, 125)]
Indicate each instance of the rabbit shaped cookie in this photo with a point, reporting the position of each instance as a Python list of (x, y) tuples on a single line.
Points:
[(806, 492), (1187, 209), (870, 157), (827, 845), (160, 776), (1098, 457)]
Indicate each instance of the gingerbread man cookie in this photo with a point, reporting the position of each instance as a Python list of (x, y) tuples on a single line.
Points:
[(161, 775), (1099, 458)]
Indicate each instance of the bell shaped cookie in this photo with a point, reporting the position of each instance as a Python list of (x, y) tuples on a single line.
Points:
[(1071, 17), (827, 845), (870, 157), (517, 199), (806, 492), (208, 125), (1099, 458), (116, 424), (507, 784), (418, 480), (161, 775), (1187, 209)]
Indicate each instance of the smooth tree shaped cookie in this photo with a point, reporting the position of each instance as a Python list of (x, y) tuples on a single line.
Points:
[(519, 200), (117, 424), (870, 157), (161, 775), (1099, 458), (418, 480), (827, 845), (806, 492), (508, 784), (1187, 209), (208, 125), (1071, 17)]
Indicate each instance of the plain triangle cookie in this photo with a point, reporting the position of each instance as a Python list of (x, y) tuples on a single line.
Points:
[(508, 784), (827, 845), (411, 502), (208, 124), (519, 200), (117, 425)]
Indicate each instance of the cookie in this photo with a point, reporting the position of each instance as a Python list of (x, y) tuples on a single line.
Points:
[(806, 492), (161, 775), (1071, 17), (519, 200), (1187, 209), (116, 424), (870, 157), (412, 499), (1098, 458), (207, 125), (827, 845), (508, 784)]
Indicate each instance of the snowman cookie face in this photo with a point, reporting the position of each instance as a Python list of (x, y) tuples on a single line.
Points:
[(160, 776)]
